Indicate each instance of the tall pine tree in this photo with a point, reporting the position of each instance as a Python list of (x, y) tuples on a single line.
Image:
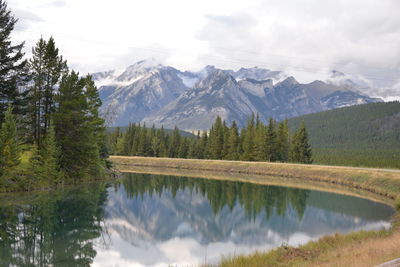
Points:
[(13, 68), (46, 69)]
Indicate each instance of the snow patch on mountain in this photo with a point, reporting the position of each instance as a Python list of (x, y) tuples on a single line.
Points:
[(150, 92)]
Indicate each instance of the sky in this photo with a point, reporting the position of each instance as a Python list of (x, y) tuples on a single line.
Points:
[(304, 38)]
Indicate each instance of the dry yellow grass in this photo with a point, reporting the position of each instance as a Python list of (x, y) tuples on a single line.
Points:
[(364, 253)]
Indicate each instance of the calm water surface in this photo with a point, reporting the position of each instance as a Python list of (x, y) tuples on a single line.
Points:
[(149, 220)]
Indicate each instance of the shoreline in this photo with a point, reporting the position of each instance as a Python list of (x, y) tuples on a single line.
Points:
[(365, 248), (381, 182)]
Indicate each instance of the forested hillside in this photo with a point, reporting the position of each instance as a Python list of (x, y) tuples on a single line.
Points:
[(364, 135)]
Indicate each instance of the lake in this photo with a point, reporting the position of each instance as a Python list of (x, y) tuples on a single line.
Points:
[(154, 220)]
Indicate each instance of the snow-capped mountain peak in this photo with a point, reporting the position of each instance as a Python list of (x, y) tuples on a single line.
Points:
[(154, 93)]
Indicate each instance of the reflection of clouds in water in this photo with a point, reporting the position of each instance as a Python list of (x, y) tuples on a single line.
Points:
[(189, 251), (183, 226)]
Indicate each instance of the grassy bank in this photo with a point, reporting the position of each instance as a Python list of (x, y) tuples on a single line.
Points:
[(381, 182), (356, 249)]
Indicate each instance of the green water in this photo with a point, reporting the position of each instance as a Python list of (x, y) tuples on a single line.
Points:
[(149, 220)]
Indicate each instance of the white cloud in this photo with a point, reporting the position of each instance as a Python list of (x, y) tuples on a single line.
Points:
[(303, 37)]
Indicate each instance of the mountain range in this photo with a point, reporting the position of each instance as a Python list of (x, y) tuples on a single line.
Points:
[(162, 95)]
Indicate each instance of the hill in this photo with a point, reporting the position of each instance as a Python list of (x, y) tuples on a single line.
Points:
[(364, 135)]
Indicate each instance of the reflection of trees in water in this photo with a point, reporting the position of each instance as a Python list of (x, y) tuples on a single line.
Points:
[(55, 229), (253, 198)]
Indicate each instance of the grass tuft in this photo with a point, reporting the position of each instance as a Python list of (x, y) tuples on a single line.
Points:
[(397, 203)]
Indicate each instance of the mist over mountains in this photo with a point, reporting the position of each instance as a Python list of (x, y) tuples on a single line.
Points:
[(162, 95)]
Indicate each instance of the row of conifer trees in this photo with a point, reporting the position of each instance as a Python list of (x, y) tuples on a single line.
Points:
[(255, 142), (51, 131)]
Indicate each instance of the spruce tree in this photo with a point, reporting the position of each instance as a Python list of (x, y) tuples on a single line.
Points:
[(260, 142), (225, 144), (203, 151), (36, 172), (233, 143), (155, 146), (163, 147), (174, 143), (192, 151), (143, 145), (216, 139), (183, 149), (50, 154), (271, 142), (10, 146), (94, 120), (283, 142), (248, 140), (301, 150), (74, 131), (13, 68)]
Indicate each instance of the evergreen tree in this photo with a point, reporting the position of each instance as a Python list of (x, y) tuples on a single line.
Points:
[(54, 67), (10, 147), (271, 142), (225, 143), (136, 135), (95, 121), (233, 143), (216, 139), (301, 149), (248, 140), (163, 147), (49, 154), (46, 70), (143, 145), (183, 149), (155, 146), (192, 151), (203, 151), (36, 172), (13, 68), (174, 143), (74, 131), (36, 91), (283, 142), (260, 142)]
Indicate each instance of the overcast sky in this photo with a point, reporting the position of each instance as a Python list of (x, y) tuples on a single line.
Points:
[(305, 38)]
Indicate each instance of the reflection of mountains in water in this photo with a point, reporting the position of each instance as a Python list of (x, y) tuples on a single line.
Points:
[(157, 208)]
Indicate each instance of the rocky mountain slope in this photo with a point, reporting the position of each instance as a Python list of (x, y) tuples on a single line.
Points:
[(161, 95)]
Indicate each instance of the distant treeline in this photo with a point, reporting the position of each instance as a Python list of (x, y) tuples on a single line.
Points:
[(255, 142), (364, 135)]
